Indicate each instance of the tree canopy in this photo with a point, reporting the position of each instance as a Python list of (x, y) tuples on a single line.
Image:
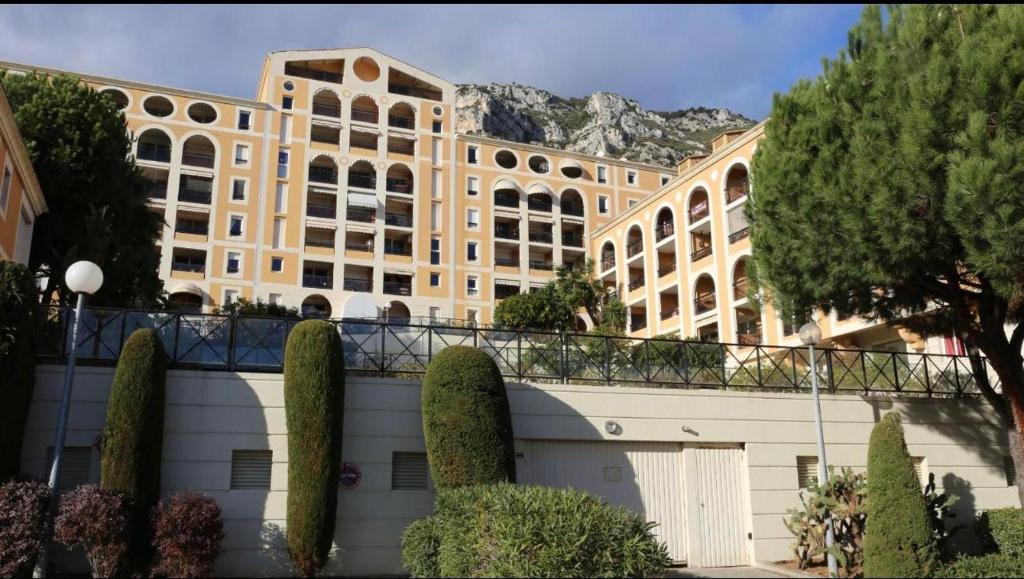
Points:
[(890, 186), (81, 151)]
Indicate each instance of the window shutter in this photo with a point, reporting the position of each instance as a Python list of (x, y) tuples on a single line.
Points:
[(1011, 471), (807, 471), (250, 469), (409, 471), (75, 467)]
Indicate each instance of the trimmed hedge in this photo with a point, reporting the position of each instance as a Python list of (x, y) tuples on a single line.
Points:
[(18, 302), (995, 565), (898, 539), (467, 425), (508, 530), (314, 391), (1002, 530)]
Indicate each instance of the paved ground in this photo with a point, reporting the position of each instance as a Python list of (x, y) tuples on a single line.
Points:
[(723, 572)]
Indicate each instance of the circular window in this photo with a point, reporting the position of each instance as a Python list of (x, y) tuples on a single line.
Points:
[(158, 106), (289, 85), (506, 159), (539, 164), (202, 113), (119, 97), (438, 111), (366, 69)]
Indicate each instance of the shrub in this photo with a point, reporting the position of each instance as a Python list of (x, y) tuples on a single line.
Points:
[(467, 425), (899, 540), (314, 390), (18, 303), (530, 531), (994, 565), (22, 515), (187, 535), (843, 499), (98, 521), (1002, 530)]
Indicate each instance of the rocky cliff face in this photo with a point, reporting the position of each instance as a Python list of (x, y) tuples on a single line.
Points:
[(603, 124)]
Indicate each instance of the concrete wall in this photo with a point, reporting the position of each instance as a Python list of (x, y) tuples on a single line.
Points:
[(210, 413)]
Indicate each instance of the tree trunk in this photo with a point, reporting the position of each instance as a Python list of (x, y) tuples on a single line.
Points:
[(1015, 439), (1010, 369)]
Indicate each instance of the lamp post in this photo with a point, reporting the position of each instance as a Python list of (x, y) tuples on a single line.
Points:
[(810, 334), (83, 278)]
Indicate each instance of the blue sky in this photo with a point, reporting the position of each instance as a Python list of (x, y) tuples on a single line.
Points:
[(666, 57)]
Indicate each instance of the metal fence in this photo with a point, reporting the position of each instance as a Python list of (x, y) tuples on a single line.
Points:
[(404, 348)]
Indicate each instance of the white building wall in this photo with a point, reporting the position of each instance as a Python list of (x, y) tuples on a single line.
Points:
[(210, 413)]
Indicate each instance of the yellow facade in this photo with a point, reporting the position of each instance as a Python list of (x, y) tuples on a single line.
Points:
[(21, 200)]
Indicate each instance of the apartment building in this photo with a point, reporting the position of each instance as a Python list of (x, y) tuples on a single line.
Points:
[(21, 200)]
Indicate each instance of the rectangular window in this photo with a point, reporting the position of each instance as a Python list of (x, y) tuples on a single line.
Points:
[(435, 216), (806, 471), (278, 232), (473, 186), (409, 471), (250, 469), (602, 205), (435, 184), (277, 264), (435, 279), (230, 296), (471, 289), (286, 103), (75, 467), (282, 165), (435, 313), (241, 154), (471, 251), (631, 177), (236, 227), (437, 126), (5, 189), (602, 174), (274, 299), (471, 155), (473, 218), (238, 189), (435, 251), (233, 261), (280, 198), (243, 120)]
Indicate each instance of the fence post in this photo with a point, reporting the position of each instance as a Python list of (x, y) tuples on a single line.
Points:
[(177, 333), (124, 322), (383, 346), (519, 355), (927, 377), (430, 344), (231, 342), (896, 372), (831, 373), (563, 368), (66, 316), (607, 358)]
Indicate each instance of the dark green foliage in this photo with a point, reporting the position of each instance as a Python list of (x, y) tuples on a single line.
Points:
[(892, 185), (1002, 531), (508, 530), (554, 306), (81, 151), (18, 303), (244, 307), (899, 540), (995, 565), (314, 393), (467, 425), (539, 309), (22, 517)]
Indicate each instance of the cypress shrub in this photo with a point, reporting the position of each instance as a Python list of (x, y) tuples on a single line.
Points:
[(1002, 531), (467, 425), (314, 391), (18, 303), (898, 539)]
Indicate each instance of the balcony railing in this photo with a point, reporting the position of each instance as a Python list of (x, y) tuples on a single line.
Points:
[(403, 347), (739, 288), (323, 175), (540, 237), (193, 159), (669, 313), (158, 190), (320, 242), (313, 74), (702, 304), (194, 196), (188, 266), (607, 263), (736, 192), (359, 246), (358, 285), (401, 122), (399, 185), (666, 269), (398, 288), (154, 152), (507, 261), (506, 200), (637, 323), (319, 281), (398, 249), (573, 209), (398, 220), (572, 239), (326, 110), (745, 232), (191, 228), (360, 215), (635, 283), (634, 248), (364, 116), (505, 233), (700, 253), (749, 337), (664, 230), (538, 206), (318, 210), (541, 264), (362, 180)]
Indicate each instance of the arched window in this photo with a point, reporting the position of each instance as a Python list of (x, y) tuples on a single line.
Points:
[(362, 174), (364, 110), (699, 207), (607, 256), (737, 185), (400, 179), (572, 203), (154, 145), (634, 241), (316, 306), (323, 169), (704, 295), (402, 116), (664, 224), (198, 151), (327, 104)]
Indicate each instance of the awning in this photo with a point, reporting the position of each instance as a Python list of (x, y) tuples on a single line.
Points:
[(506, 184), (507, 282), (195, 171), (321, 224), (360, 227), (541, 218), (396, 271), (403, 136), (540, 188), (362, 200), (186, 288), (571, 167)]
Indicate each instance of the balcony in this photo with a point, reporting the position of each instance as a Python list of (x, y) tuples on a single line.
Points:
[(194, 196), (402, 248), (398, 122), (669, 313), (637, 323), (506, 200), (542, 206), (312, 74), (320, 242), (540, 237), (323, 175), (319, 210), (703, 304), (749, 336), (398, 288), (358, 285), (192, 227), (154, 152), (327, 110), (739, 288), (362, 180), (698, 212), (397, 185), (158, 190), (360, 215), (397, 220), (366, 246), (318, 281), (664, 230), (364, 116), (573, 209), (700, 253), (734, 237), (195, 159), (666, 269), (542, 265), (502, 291), (636, 282), (607, 264), (507, 261), (634, 248), (192, 263), (506, 233), (572, 239), (736, 192)]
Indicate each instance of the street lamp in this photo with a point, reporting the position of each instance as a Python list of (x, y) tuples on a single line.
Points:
[(83, 278), (810, 334)]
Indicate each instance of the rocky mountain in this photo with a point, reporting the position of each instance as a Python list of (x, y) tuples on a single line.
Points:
[(604, 123)]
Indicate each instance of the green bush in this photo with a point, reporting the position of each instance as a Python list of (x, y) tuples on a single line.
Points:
[(508, 530), (314, 393), (842, 500), (994, 565), (467, 425), (18, 302), (1002, 530), (898, 538)]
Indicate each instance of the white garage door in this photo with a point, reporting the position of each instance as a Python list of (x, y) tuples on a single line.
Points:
[(646, 477), (717, 506)]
